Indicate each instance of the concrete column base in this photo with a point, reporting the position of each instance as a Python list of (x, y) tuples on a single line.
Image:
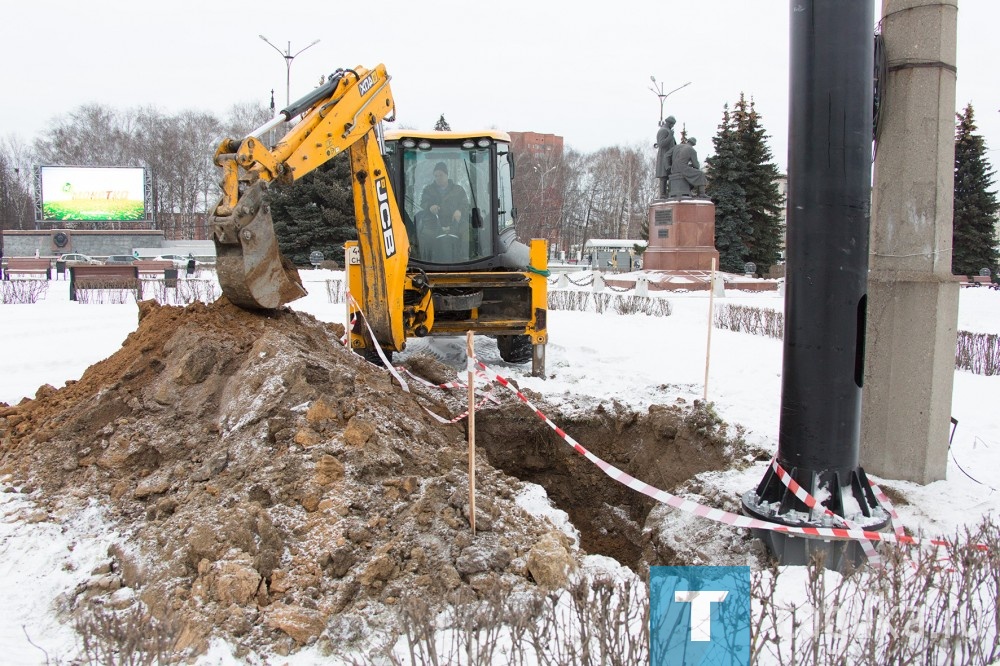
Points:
[(909, 374)]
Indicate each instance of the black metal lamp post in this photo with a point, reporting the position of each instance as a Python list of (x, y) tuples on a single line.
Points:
[(657, 88), (289, 57), (829, 195)]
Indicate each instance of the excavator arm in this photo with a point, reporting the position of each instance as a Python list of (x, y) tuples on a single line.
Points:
[(343, 114)]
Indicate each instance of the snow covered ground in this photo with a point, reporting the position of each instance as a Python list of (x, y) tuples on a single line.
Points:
[(637, 360)]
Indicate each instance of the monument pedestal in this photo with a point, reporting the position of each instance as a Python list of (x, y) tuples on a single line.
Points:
[(681, 236)]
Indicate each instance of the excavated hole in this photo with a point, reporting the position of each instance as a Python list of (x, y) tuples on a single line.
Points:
[(665, 447)]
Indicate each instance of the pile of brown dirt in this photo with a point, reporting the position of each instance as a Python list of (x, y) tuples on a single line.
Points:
[(278, 490)]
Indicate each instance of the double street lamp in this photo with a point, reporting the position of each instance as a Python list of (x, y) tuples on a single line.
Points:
[(658, 89), (289, 57)]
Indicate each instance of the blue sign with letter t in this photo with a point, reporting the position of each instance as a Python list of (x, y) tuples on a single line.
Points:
[(699, 616)]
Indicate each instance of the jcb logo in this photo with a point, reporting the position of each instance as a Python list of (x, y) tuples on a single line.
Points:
[(366, 84), (383, 211)]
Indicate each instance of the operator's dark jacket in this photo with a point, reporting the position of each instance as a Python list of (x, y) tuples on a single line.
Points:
[(453, 198)]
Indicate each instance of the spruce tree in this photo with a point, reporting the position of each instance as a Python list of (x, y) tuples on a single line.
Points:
[(643, 235), (763, 198), (974, 241), (315, 213), (442, 125), (726, 171)]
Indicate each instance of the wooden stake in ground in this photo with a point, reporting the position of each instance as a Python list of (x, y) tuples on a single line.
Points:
[(711, 315), (472, 431)]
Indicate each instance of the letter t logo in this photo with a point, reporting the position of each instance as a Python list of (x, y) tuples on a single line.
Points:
[(701, 610)]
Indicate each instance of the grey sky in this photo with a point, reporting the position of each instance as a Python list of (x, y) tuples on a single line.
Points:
[(579, 70)]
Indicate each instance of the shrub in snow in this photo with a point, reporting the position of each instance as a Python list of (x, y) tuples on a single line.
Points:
[(22, 291)]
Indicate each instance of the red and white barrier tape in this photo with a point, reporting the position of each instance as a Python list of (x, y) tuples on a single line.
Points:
[(465, 414), (346, 339), (806, 497), (378, 348), (459, 384), (402, 382), (430, 384), (851, 531), (717, 515), (897, 524)]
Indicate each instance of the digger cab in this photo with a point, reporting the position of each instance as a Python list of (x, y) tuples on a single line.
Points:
[(454, 193)]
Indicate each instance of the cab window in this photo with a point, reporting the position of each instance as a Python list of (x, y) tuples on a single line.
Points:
[(446, 202)]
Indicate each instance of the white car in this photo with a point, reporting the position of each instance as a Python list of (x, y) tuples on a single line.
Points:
[(76, 257), (179, 261)]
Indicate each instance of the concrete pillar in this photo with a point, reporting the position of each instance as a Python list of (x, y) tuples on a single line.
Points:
[(912, 296)]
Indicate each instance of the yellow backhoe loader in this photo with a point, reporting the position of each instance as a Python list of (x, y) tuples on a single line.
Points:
[(436, 252)]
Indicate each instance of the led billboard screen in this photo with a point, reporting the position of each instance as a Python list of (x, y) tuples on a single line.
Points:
[(71, 193)]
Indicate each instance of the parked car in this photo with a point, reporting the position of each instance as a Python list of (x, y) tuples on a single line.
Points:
[(120, 259), (179, 261), (76, 257)]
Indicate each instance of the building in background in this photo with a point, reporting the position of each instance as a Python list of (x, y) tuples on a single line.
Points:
[(542, 148), (539, 176)]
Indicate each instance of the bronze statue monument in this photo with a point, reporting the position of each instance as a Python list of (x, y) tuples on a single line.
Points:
[(665, 143), (686, 176)]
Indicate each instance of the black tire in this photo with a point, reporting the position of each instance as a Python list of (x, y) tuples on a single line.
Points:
[(515, 348)]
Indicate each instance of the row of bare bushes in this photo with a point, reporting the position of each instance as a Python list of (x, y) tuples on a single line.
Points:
[(595, 621), (165, 292), (13, 292), (976, 352), (107, 290), (181, 292), (585, 301), (336, 291), (747, 319), (566, 300), (929, 606), (129, 637)]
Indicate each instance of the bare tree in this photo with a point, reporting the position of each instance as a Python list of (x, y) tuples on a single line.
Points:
[(539, 192), (16, 210), (244, 117), (577, 202), (566, 197), (606, 194), (91, 135), (177, 149)]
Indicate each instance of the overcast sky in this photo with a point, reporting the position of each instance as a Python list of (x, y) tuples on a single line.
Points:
[(578, 70)]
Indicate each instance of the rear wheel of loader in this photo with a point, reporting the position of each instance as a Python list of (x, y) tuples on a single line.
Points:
[(515, 348)]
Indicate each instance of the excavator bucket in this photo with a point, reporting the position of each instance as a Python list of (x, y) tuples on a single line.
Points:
[(252, 271)]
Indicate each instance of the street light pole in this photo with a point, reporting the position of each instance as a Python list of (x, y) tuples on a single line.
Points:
[(289, 57), (658, 90)]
